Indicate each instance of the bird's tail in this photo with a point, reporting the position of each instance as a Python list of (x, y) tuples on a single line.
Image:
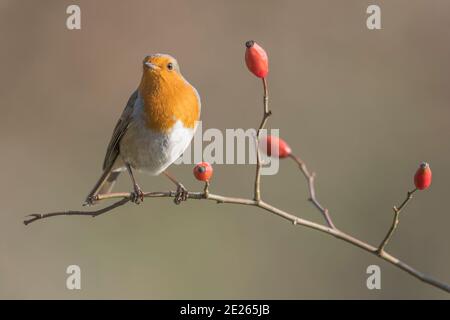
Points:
[(103, 185)]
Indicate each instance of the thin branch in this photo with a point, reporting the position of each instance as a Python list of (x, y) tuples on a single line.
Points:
[(310, 178), (37, 216), (125, 197), (206, 189), (395, 221), (267, 113)]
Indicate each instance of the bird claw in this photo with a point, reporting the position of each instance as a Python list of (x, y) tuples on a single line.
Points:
[(90, 201), (137, 196), (181, 195)]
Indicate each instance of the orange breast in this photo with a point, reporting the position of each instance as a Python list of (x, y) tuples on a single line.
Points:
[(168, 99)]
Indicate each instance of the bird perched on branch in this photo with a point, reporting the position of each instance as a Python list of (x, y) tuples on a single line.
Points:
[(155, 128)]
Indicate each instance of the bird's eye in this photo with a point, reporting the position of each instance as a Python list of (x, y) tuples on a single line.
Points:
[(170, 66)]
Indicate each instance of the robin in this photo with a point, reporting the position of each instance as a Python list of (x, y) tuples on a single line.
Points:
[(155, 128)]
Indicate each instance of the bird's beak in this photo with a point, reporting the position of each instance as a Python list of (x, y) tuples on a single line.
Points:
[(151, 65)]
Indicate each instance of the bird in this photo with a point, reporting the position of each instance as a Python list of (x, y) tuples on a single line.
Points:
[(155, 128)]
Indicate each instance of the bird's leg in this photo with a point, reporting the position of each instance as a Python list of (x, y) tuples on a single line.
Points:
[(182, 193), (138, 195)]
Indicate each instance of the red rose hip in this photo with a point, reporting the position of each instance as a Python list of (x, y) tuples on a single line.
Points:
[(203, 171), (422, 178), (275, 147), (256, 59)]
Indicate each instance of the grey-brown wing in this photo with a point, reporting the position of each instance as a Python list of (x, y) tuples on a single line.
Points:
[(121, 127)]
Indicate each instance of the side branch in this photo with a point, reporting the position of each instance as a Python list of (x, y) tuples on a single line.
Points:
[(312, 190), (395, 221)]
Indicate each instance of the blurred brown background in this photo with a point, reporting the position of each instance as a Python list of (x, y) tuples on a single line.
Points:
[(363, 108)]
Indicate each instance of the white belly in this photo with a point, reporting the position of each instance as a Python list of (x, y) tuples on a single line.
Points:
[(150, 151)]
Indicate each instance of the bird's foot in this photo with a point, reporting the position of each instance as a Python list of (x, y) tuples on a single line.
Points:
[(181, 195), (137, 196)]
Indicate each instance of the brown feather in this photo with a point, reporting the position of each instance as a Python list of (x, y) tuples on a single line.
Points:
[(121, 127)]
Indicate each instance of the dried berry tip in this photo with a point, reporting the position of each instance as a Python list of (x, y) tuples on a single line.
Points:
[(249, 43), (424, 165), (203, 171)]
